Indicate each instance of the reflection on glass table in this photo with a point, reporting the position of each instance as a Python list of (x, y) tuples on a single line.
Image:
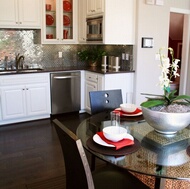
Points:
[(158, 155)]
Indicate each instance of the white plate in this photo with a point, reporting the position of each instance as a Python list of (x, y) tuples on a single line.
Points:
[(126, 114), (98, 140)]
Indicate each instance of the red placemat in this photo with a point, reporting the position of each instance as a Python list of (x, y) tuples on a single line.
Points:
[(111, 150)]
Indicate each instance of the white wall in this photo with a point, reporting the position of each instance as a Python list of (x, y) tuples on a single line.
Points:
[(152, 21)]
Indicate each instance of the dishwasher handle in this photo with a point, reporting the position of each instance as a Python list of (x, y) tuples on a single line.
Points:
[(65, 77)]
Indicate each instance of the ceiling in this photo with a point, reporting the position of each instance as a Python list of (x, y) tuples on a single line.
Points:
[(176, 26)]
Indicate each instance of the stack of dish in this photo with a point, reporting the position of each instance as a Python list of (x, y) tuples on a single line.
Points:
[(114, 136), (129, 110)]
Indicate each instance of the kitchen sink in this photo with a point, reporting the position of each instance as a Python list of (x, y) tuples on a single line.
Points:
[(20, 71)]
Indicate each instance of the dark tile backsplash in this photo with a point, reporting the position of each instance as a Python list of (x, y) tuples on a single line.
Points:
[(27, 43)]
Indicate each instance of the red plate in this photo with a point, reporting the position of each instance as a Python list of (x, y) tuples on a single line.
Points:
[(49, 20), (66, 20), (67, 6)]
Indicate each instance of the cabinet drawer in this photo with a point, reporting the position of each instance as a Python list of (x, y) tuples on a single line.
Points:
[(92, 77), (20, 79)]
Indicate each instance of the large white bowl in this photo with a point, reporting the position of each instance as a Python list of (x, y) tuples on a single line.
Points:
[(114, 133), (128, 107)]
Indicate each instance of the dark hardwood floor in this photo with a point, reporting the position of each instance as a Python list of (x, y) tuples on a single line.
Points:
[(30, 151)]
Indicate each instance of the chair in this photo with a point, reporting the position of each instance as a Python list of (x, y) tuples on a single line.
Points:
[(105, 100), (78, 173), (101, 101)]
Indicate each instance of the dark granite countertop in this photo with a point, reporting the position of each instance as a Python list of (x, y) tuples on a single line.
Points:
[(91, 69), (73, 68)]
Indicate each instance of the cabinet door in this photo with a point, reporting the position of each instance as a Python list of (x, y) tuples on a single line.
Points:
[(13, 102), (82, 21), (59, 21), (30, 13), (90, 7), (90, 86), (37, 99), (20, 14), (95, 7), (69, 16), (99, 6), (124, 33), (50, 21), (8, 13)]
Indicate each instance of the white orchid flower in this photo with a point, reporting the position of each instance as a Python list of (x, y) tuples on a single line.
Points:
[(168, 70)]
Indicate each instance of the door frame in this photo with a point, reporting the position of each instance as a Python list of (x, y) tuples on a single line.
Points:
[(185, 67)]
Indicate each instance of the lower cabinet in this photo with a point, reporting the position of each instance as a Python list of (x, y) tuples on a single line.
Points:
[(90, 86), (94, 82), (28, 98)]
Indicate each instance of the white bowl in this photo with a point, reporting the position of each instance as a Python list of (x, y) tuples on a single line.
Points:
[(128, 107), (114, 133)]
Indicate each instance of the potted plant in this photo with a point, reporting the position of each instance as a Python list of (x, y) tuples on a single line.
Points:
[(91, 55), (167, 113)]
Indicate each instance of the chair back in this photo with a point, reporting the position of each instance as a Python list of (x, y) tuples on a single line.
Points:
[(105, 100), (78, 174)]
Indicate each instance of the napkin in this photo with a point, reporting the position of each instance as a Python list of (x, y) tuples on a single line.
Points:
[(119, 144), (138, 110)]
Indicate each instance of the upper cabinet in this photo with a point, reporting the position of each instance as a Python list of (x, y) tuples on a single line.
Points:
[(94, 7), (82, 21), (20, 14), (59, 21), (119, 22), (118, 25)]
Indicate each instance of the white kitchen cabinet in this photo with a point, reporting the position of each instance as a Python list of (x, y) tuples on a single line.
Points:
[(123, 81), (59, 22), (94, 7), (94, 82), (82, 21), (13, 102), (27, 98), (119, 18), (91, 84), (20, 14)]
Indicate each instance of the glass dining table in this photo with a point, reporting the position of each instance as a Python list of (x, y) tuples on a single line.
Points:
[(153, 154)]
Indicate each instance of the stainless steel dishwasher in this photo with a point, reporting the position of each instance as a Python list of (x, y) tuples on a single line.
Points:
[(65, 92)]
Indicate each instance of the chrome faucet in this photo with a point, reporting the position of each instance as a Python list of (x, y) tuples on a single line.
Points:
[(19, 61)]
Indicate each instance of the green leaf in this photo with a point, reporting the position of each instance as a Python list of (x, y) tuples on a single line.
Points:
[(152, 103), (182, 97), (172, 94)]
